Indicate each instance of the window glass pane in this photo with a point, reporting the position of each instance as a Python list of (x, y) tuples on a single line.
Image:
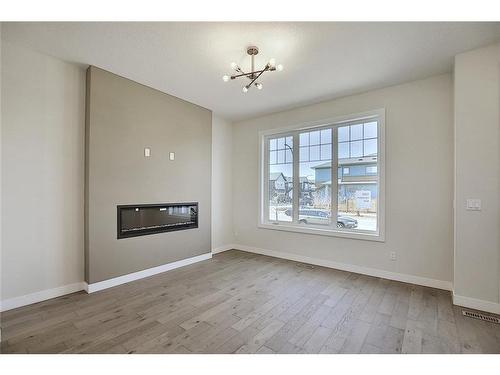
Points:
[(281, 181), (314, 138), (304, 139), (315, 193), (314, 179), (357, 206), (281, 156), (281, 143), (356, 149), (314, 153), (357, 193), (272, 144), (272, 157), (326, 152), (356, 132), (343, 133), (326, 136), (304, 154), (370, 130), (370, 147), (343, 150)]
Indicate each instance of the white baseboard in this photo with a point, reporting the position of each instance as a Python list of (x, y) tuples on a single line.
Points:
[(105, 284), (476, 304), (40, 296), (44, 295), (424, 281), (223, 248)]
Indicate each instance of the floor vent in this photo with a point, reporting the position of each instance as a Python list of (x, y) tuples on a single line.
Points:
[(480, 316)]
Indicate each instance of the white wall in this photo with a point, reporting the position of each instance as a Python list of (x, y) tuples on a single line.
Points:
[(222, 181), (42, 172), (419, 182), (477, 175)]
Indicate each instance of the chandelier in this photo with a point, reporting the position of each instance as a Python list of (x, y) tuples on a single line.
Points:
[(254, 75)]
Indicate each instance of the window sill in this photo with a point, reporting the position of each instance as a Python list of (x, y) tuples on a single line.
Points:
[(356, 235)]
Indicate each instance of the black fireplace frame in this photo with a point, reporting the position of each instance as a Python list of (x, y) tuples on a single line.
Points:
[(145, 232)]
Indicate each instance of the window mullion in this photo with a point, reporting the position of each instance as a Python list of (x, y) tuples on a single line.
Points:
[(296, 178)]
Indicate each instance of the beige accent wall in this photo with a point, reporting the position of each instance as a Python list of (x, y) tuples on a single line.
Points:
[(123, 118), (477, 175), (419, 182), (42, 172)]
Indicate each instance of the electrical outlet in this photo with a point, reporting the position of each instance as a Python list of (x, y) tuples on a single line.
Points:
[(473, 204), (392, 255)]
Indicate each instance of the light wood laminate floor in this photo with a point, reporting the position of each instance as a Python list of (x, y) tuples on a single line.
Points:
[(239, 302)]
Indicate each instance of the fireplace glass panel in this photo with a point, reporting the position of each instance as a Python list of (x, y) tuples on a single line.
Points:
[(147, 219)]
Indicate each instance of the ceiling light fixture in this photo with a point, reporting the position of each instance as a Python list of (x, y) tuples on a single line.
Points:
[(254, 75)]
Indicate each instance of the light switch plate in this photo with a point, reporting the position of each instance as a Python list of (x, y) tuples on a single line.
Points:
[(147, 152), (171, 155), (473, 204)]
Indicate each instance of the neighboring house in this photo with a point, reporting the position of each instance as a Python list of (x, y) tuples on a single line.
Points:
[(278, 187), (354, 174), (306, 187), (281, 188), (322, 173)]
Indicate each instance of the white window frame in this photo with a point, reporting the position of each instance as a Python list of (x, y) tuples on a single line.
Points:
[(263, 214)]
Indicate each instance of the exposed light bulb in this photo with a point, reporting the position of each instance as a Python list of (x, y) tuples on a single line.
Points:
[(258, 85), (234, 65), (279, 68), (225, 78), (245, 89), (272, 62)]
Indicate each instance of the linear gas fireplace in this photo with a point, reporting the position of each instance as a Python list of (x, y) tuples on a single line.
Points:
[(143, 219)]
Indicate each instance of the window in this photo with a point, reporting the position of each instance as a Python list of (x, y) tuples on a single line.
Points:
[(325, 179)]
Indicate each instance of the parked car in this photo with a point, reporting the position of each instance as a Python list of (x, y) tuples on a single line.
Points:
[(315, 216)]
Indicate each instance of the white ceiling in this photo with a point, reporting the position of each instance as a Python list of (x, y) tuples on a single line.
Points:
[(322, 60)]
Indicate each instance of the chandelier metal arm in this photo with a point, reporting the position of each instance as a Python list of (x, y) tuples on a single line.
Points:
[(249, 75), (258, 75)]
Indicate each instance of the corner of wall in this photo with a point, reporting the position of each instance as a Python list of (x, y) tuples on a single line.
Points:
[(222, 185), (86, 187)]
